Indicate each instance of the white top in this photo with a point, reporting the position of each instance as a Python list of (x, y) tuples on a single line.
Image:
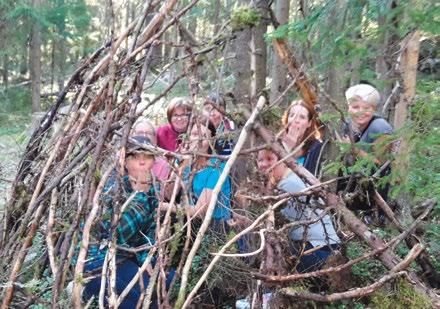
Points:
[(319, 233)]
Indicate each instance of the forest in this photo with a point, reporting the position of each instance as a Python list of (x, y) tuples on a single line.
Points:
[(220, 154)]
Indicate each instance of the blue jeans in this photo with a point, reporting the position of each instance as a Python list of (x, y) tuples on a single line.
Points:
[(315, 260), (126, 269)]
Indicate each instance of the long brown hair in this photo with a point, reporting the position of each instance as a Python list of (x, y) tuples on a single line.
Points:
[(313, 132)]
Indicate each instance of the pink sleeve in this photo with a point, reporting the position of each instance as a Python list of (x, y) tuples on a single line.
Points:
[(161, 169)]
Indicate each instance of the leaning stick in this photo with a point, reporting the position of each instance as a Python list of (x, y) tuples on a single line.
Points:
[(411, 256), (240, 255), (356, 293), (393, 242), (303, 84), (228, 244), (205, 225), (49, 235), (79, 268), (21, 256)]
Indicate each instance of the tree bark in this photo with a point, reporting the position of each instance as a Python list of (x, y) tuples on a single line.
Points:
[(216, 16), (241, 65), (336, 69), (409, 60), (259, 51), (35, 61), (5, 69), (356, 19), (60, 60), (304, 86), (386, 51), (279, 71)]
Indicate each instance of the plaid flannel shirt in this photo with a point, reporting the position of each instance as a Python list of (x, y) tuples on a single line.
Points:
[(136, 225)]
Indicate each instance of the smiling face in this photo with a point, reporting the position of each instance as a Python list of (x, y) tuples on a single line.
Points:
[(361, 113), (139, 165), (298, 121), (180, 119), (214, 115), (266, 159)]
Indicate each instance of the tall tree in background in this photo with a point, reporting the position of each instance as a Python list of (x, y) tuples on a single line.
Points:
[(35, 60), (241, 63), (389, 13), (335, 65), (3, 39), (259, 49), (279, 71)]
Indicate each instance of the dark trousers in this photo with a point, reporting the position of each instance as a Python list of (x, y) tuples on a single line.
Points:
[(315, 260), (126, 269)]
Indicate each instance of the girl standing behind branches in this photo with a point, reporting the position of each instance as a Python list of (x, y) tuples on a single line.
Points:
[(312, 243), (302, 130)]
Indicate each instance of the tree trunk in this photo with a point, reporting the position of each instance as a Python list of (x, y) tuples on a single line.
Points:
[(335, 72), (52, 64), (386, 52), (408, 68), (409, 60), (259, 51), (241, 64), (216, 16), (279, 71), (35, 61), (5, 70), (356, 19), (166, 48), (61, 63)]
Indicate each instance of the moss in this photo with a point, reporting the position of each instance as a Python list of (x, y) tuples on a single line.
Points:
[(97, 175), (244, 16), (79, 279), (367, 270), (405, 297)]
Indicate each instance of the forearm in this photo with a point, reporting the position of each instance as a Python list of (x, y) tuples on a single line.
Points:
[(191, 210)]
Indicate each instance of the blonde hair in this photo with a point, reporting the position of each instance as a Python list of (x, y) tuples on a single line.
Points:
[(363, 92)]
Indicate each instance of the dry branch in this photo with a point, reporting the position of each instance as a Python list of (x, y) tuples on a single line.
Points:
[(207, 220), (356, 293), (304, 86)]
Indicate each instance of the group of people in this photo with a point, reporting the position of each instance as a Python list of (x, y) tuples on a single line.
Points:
[(209, 137)]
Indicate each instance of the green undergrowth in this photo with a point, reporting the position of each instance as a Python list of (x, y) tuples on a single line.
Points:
[(402, 297)]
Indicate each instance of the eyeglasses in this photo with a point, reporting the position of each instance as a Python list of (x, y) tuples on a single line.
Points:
[(179, 117)]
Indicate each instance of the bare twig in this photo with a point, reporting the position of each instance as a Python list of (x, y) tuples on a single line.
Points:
[(241, 140), (356, 293)]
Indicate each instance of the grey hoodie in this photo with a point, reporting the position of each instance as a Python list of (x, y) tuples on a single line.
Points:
[(319, 233)]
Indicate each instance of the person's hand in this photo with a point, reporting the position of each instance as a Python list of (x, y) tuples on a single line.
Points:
[(139, 185), (345, 139), (239, 221), (291, 137)]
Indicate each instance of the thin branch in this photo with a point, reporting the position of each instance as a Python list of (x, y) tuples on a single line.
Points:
[(241, 140), (356, 293)]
